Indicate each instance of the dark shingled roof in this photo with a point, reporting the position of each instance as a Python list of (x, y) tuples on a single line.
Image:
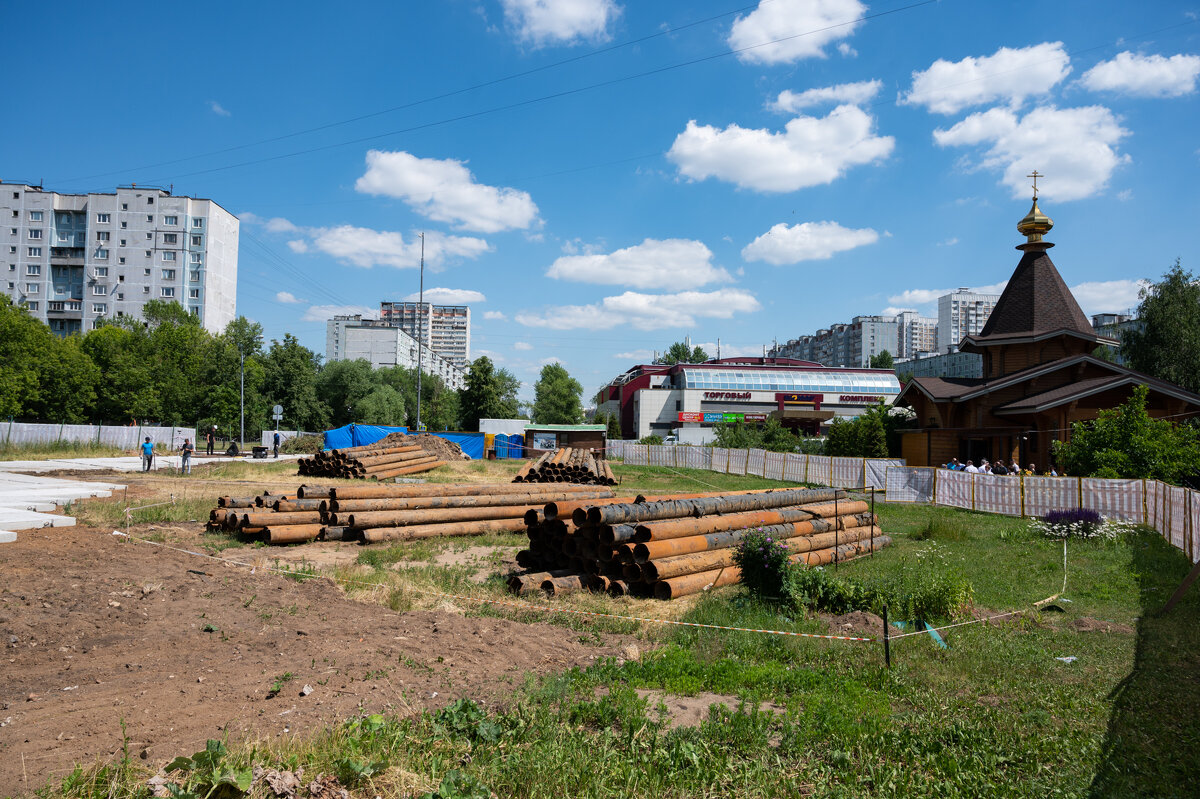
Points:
[(1035, 301), (1056, 396)]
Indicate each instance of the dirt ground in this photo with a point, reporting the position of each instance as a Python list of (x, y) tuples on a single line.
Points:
[(97, 629)]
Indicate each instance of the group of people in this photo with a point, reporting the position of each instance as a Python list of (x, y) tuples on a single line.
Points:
[(185, 451), (985, 467)]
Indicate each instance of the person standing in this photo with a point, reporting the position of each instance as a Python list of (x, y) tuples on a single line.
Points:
[(211, 438), (276, 442), (147, 454), (185, 460)]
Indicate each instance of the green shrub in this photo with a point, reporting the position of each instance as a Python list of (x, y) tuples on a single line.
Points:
[(764, 564), (302, 445), (655, 440)]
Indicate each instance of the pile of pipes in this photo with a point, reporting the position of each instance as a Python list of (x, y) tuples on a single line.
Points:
[(371, 513), (567, 465), (673, 547), (380, 463)]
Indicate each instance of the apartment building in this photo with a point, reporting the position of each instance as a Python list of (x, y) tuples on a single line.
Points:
[(850, 344), (74, 260), (916, 334), (382, 343), (445, 329), (962, 313)]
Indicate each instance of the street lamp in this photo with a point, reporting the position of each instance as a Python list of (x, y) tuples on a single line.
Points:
[(421, 332)]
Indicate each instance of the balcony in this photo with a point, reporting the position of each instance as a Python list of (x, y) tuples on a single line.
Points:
[(67, 256), (65, 308)]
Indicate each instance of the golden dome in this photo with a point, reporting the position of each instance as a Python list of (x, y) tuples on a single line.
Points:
[(1035, 224)]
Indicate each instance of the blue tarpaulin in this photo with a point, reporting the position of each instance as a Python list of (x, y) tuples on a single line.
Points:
[(360, 435)]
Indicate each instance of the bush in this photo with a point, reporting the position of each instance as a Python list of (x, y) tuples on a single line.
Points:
[(764, 564), (651, 439), (1080, 523), (302, 445)]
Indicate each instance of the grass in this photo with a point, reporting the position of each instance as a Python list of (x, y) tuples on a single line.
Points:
[(61, 449), (995, 714)]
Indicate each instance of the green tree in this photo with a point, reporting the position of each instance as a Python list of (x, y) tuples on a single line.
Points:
[(489, 394), (679, 352), (21, 337), (1127, 442), (883, 360), (613, 423), (343, 385), (127, 392), (557, 397), (290, 379), (1166, 344), (842, 439), (67, 381), (384, 405)]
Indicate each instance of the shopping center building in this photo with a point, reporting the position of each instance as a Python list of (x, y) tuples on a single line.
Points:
[(690, 398)]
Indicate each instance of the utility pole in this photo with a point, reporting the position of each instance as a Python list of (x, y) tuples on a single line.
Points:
[(420, 332), (242, 404)]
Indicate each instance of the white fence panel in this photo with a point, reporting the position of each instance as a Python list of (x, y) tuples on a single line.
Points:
[(737, 461), (998, 494), (756, 462), (123, 437), (774, 464), (1119, 499), (720, 460), (795, 470), (1154, 495), (30, 433), (660, 455), (1177, 517), (693, 457), (635, 454), (910, 483), (875, 471), (1044, 494), (847, 473), (819, 470), (953, 488), (268, 436)]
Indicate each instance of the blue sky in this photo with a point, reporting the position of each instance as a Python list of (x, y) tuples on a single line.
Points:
[(600, 178)]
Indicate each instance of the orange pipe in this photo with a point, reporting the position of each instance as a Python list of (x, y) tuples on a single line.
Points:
[(293, 533), (679, 528)]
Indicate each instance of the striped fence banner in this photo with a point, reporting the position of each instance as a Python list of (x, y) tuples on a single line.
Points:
[(756, 462), (1117, 499), (720, 460), (997, 494), (1045, 494), (737, 461), (774, 465), (847, 473), (910, 484), (953, 489), (795, 467)]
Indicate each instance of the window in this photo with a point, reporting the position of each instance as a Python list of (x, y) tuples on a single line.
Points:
[(103, 235), (12, 231), (33, 306), (33, 269), (12, 250), (101, 271), (195, 276), (169, 256), (35, 252), (171, 238), (102, 218), (146, 272), (102, 254), (121, 278), (197, 241), (124, 206), (16, 214), (197, 223), (195, 257), (33, 288), (145, 289), (120, 296), (35, 216), (149, 217), (168, 274), (35, 234), (149, 201), (12, 267), (124, 225), (100, 291), (122, 242), (194, 294), (121, 260), (171, 220), (166, 291), (16, 195), (149, 235), (99, 307), (149, 254), (195, 310)]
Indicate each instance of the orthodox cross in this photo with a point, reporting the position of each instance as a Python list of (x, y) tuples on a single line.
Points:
[(1035, 175)]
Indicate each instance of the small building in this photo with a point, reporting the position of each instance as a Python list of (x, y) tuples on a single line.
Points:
[(1038, 374), (556, 436)]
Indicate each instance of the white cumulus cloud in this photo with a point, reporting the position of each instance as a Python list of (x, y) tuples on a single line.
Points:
[(298, 245), (809, 152), (634, 355), (785, 31), (446, 191), (653, 264), (522, 345), (323, 313), (495, 316), (218, 109), (645, 311), (366, 247), (1144, 75), (1107, 296), (444, 296), (789, 102), (1009, 75), (288, 297), (807, 241), (1075, 146), (544, 22)]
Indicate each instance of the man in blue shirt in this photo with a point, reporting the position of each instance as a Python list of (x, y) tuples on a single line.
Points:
[(147, 455)]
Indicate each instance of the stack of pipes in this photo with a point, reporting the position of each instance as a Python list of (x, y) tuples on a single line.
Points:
[(674, 547), (380, 463), (371, 513), (567, 465)]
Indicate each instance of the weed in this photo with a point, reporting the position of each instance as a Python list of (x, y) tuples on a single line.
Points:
[(208, 775), (279, 682)]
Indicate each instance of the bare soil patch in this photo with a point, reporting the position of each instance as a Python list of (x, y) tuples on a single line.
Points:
[(96, 629), (1086, 624), (858, 624), (691, 711)]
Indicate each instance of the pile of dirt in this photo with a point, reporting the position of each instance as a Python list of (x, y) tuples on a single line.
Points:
[(95, 629), (1086, 624), (858, 624), (435, 445)]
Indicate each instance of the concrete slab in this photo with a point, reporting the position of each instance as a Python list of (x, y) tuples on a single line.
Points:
[(6, 537), (30, 520), (125, 464)]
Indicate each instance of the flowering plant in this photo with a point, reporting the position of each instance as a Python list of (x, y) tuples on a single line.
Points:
[(764, 563), (1080, 523)]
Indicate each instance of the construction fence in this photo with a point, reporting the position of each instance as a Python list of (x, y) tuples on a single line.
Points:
[(1171, 510), (794, 467), (125, 437)]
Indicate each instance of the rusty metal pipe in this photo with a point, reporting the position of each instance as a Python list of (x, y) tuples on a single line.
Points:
[(235, 502), (530, 497), (270, 518), (528, 583), (718, 539), (373, 535), (421, 466), (675, 509), (293, 505), (560, 586), (313, 492), (292, 533), (682, 527), (695, 583)]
